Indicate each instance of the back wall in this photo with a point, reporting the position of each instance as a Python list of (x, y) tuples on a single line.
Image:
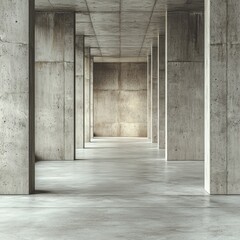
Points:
[(120, 99)]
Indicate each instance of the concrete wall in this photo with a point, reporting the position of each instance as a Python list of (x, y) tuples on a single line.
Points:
[(54, 86), (149, 98), (154, 94), (79, 93), (17, 97), (185, 86), (222, 97), (91, 100), (87, 85), (161, 92), (120, 99)]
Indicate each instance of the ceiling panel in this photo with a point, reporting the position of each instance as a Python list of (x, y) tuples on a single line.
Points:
[(135, 16), (110, 18), (106, 29), (161, 5), (103, 5), (84, 29), (182, 2), (132, 41), (111, 52), (95, 52), (189, 7), (114, 5), (128, 52), (137, 5), (83, 17), (109, 41), (77, 5), (119, 27), (43, 4), (144, 52), (91, 41), (173, 5), (156, 28), (135, 28), (147, 42), (157, 17)]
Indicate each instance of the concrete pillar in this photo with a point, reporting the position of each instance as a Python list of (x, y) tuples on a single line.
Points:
[(154, 93), (87, 93), (222, 97), (149, 98), (161, 91), (79, 93), (17, 97), (91, 101), (185, 86), (54, 86)]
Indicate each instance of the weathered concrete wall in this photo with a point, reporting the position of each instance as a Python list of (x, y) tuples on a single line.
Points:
[(17, 97), (222, 97), (79, 93), (154, 93), (87, 93), (54, 86), (91, 100), (120, 99), (161, 91), (185, 86), (149, 98)]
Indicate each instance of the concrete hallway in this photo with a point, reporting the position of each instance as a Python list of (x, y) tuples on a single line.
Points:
[(119, 193), (155, 84)]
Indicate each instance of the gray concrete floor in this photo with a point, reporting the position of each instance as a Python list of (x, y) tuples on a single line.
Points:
[(121, 189)]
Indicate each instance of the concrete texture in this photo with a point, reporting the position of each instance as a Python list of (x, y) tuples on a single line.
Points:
[(87, 83), (120, 59), (17, 97), (79, 93), (185, 86), (161, 92), (91, 100), (154, 94), (149, 98), (119, 28), (120, 99), (54, 86), (124, 190), (222, 117)]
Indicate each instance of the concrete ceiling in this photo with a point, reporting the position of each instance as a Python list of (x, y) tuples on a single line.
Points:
[(119, 28)]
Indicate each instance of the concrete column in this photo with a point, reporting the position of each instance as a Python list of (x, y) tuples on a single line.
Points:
[(154, 93), (54, 86), (222, 97), (185, 88), (91, 101), (17, 97), (161, 91), (87, 93), (79, 93), (149, 98)]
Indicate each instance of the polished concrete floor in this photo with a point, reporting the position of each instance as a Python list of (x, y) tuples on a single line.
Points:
[(120, 189)]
